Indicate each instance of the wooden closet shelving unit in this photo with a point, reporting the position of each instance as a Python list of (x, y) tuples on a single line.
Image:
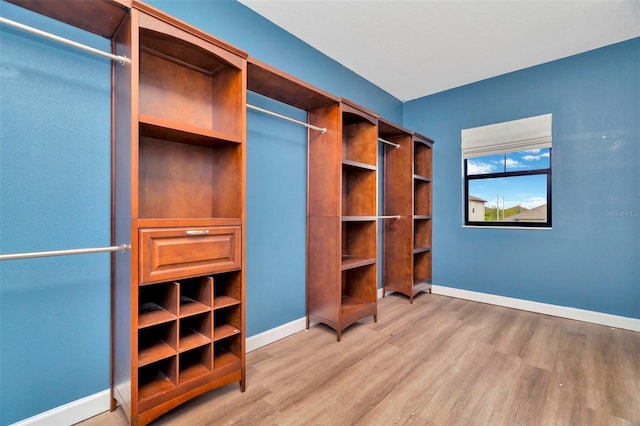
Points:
[(179, 155), (179, 188), (341, 198), (407, 194), (342, 219)]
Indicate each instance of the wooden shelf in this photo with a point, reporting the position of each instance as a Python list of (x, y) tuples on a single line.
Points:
[(224, 301), (151, 313), (159, 385), (421, 249), (190, 307), (192, 372), (159, 128), (356, 165), (157, 352), (275, 84), (223, 331), (350, 262), (191, 339), (422, 178), (224, 359), (98, 17), (351, 304)]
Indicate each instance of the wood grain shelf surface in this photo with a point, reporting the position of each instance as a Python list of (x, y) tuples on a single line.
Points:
[(152, 388), (223, 331), (191, 372), (422, 178), (417, 250), (191, 339), (351, 262), (158, 351), (160, 128), (224, 301), (357, 165), (153, 314), (189, 307)]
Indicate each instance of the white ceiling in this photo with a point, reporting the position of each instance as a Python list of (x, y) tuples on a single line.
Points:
[(413, 48)]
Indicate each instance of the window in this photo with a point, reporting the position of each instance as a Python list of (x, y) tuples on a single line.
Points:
[(507, 173)]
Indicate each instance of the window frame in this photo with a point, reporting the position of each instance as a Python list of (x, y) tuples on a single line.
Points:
[(508, 174)]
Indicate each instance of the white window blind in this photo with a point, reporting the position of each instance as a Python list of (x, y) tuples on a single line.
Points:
[(509, 136)]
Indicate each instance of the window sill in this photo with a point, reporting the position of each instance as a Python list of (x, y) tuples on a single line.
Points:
[(526, 228)]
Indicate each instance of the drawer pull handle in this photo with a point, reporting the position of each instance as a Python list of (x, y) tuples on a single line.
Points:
[(198, 232)]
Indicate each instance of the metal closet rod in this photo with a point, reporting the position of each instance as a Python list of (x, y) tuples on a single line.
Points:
[(121, 59), (389, 217), (389, 143), (284, 117), (121, 248)]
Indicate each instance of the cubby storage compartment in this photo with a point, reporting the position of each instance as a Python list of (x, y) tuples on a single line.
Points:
[(421, 234), (227, 290), (227, 353), (358, 191), (422, 267), (196, 296), (157, 304), (203, 181), (195, 331), (358, 243), (358, 295), (226, 322), (359, 138), (157, 378), (422, 197), (179, 78), (195, 363), (423, 160), (157, 342)]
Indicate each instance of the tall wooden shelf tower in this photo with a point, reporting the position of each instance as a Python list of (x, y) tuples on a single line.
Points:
[(407, 195), (179, 189)]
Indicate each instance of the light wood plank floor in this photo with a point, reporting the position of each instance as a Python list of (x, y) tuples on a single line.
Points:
[(440, 361)]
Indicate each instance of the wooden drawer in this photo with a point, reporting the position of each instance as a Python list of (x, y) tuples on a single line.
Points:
[(173, 253)]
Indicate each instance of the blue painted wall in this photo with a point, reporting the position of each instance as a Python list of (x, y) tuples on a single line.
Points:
[(55, 194), (591, 258)]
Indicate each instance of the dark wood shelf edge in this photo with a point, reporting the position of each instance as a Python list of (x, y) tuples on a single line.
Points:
[(275, 84), (418, 250), (176, 132), (356, 165), (350, 262), (422, 178)]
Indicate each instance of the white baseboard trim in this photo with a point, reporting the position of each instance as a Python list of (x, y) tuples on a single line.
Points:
[(72, 412), (273, 335), (609, 320)]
